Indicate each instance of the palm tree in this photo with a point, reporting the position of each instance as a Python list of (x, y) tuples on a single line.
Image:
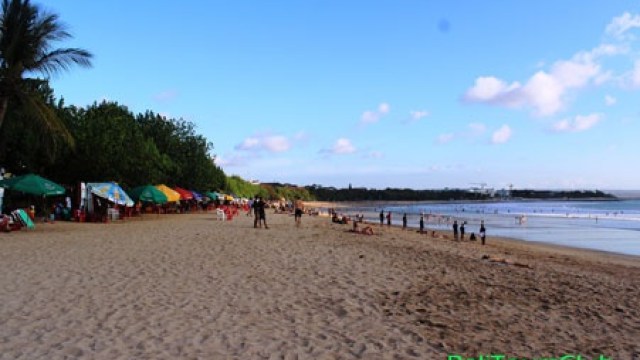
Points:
[(26, 36)]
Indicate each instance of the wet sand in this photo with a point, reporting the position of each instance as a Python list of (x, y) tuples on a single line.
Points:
[(191, 287)]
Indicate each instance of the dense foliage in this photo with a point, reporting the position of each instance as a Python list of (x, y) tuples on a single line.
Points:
[(389, 194), (560, 194), (111, 144)]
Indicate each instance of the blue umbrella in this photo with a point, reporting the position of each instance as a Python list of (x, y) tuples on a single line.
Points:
[(112, 192), (197, 195)]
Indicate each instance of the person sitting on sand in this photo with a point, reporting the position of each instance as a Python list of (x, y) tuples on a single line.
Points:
[(367, 230)]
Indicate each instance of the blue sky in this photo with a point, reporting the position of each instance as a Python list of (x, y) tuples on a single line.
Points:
[(419, 94)]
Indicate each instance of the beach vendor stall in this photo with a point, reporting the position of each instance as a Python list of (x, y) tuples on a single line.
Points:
[(34, 185), (103, 200)]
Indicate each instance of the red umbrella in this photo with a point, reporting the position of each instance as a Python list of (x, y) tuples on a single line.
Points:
[(184, 194)]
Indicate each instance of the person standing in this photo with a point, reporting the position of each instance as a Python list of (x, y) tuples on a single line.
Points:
[(421, 223), (381, 217), (262, 213), (483, 232), (462, 230), (298, 210), (389, 218), (455, 229), (256, 211), (404, 221)]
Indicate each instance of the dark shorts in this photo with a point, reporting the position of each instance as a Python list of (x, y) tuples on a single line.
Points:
[(298, 213)]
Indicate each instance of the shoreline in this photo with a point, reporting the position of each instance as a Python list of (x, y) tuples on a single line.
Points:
[(375, 206)]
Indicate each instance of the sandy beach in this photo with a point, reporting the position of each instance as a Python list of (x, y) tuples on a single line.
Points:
[(191, 287)]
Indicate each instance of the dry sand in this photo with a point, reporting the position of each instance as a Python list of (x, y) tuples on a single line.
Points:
[(191, 287)]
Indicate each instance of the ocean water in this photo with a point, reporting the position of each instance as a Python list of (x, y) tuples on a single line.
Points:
[(612, 226)]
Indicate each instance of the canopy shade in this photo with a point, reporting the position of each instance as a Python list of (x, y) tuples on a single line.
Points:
[(184, 194), (172, 195), (148, 193), (112, 192), (33, 184), (197, 196), (212, 195)]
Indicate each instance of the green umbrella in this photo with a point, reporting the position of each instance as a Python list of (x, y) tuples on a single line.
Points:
[(32, 184), (212, 195), (148, 193)]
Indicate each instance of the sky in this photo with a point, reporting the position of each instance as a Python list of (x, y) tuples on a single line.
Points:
[(407, 94)]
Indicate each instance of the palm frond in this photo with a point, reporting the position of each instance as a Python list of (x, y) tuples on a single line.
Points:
[(36, 108)]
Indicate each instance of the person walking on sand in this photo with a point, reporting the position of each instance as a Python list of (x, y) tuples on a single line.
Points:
[(462, 230), (483, 232), (298, 210), (455, 229), (381, 217), (389, 218), (404, 221)]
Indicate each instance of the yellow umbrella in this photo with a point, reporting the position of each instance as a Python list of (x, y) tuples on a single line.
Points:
[(171, 194)]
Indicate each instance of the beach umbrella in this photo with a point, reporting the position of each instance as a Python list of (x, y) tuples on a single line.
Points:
[(33, 184), (184, 194), (197, 196), (212, 195), (148, 193), (172, 195), (112, 192)]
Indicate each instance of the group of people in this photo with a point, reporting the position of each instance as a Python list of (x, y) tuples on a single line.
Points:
[(482, 233), (260, 217), (458, 230)]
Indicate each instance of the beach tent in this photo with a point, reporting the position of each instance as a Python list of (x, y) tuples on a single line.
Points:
[(32, 184), (172, 195), (184, 194), (148, 193), (110, 191)]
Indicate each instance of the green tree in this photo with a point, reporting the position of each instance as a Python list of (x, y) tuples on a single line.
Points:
[(27, 34)]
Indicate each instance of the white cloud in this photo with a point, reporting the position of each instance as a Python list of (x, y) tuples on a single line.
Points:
[(250, 143), (342, 146), (445, 138), (270, 143), (276, 143), (490, 89), (547, 91), (231, 160), (621, 24), (373, 116), (501, 135), (544, 92), (418, 114), (577, 124), (610, 100), (369, 117)]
